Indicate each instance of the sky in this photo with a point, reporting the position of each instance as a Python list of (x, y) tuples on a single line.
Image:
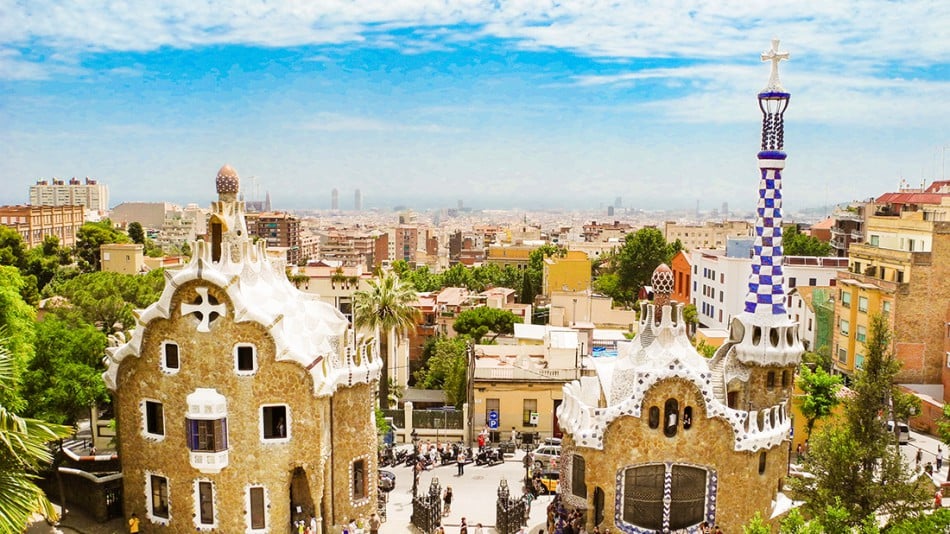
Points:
[(502, 104)]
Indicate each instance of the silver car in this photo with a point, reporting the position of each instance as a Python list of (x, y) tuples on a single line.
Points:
[(546, 456)]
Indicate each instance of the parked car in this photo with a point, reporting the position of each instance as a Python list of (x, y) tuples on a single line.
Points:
[(546, 482), (903, 432), (387, 480), (546, 456)]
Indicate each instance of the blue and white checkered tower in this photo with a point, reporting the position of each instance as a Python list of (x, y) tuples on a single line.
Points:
[(768, 335), (766, 292)]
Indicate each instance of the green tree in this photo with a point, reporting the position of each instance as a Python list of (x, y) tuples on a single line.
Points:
[(756, 525), (536, 263), (478, 322), (107, 300), (93, 235), (857, 465), (821, 395), (136, 232), (45, 261), (527, 289), (447, 370), (642, 252), (64, 378), (23, 452), (12, 249), (457, 276), (796, 243), (386, 307), (17, 321)]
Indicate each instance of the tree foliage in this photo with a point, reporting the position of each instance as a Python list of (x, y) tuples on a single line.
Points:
[(106, 300), (12, 248), (796, 243), (24, 451), (821, 395), (632, 266), (478, 322), (385, 307), (446, 369), (64, 378), (136, 232), (45, 261), (93, 235), (17, 324), (857, 465)]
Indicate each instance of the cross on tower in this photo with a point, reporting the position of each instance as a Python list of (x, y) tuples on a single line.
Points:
[(204, 309), (774, 56)]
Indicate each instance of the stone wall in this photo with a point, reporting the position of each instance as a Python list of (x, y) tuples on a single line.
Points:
[(207, 361), (629, 441), (353, 439), (762, 396)]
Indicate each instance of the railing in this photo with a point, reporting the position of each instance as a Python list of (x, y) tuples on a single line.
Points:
[(520, 373), (399, 417), (438, 419)]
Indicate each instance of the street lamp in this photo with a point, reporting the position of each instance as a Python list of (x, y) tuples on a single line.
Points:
[(574, 312)]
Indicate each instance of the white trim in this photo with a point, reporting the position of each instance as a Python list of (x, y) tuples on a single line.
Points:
[(148, 498), (287, 423), (368, 476), (254, 366), (161, 359), (214, 507), (144, 412), (247, 509)]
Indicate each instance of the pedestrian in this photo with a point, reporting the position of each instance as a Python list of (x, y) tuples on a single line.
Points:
[(938, 499), (313, 524), (134, 524), (939, 458), (447, 500), (463, 528), (374, 523), (460, 461), (919, 457), (798, 454), (514, 434), (481, 441), (479, 529)]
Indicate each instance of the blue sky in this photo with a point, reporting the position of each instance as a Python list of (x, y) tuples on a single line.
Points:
[(502, 104)]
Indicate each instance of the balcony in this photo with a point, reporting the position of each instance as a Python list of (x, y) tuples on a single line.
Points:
[(208, 462), (530, 375)]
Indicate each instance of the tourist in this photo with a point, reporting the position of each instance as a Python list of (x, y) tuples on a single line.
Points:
[(134, 524), (463, 528), (919, 457), (374, 523), (479, 529), (313, 523), (481, 440), (447, 500), (939, 457), (460, 460), (938, 499), (514, 435)]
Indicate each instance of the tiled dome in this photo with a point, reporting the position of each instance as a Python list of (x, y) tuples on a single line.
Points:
[(662, 279), (227, 180)]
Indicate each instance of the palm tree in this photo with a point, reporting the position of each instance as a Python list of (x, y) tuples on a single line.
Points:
[(23, 449), (386, 308)]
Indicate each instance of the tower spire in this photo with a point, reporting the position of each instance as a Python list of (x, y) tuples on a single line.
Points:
[(766, 295)]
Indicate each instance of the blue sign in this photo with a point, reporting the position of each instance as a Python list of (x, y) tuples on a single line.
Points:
[(493, 419)]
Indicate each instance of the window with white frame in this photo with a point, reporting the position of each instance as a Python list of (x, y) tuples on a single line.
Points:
[(859, 361), (844, 327), (863, 304), (170, 357), (245, 359), (275, 422), (207, 435), (843, 355), (153, 419), (846, 298), (204, 504), (157, 494)]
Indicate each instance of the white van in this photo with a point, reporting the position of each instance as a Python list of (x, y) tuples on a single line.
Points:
[(903, 432)]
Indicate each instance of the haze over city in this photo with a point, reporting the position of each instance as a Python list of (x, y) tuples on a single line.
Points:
[(527, 104)]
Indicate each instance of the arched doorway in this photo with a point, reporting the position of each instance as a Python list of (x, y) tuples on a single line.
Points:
[(301, 500)]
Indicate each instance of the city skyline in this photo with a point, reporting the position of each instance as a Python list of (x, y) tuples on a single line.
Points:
[(527, 105)]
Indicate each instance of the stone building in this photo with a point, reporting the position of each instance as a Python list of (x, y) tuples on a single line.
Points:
[(662, 439), (242, 403)]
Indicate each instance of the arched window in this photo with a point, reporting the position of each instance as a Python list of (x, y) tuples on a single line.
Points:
[(654, 417), (670, 417), (785, 378), (687, 417)]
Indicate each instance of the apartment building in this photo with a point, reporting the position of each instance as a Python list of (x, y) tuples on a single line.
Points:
[(278, 230), (34, 223), (89, 194), (710, 235)]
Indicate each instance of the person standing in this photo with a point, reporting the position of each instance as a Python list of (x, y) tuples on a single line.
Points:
[(463, 528), (447, 500), (374, 523), (460, 461), (939, 457), (134, 524)]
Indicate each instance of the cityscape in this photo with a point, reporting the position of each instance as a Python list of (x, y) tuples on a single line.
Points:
[(468, 268)]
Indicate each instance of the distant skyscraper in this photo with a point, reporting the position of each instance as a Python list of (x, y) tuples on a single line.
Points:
[(725, 210), (610, 211), (334, 200), (460, 204), (358, 200), (618, 202)]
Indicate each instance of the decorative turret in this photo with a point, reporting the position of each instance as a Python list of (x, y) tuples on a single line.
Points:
[(768, 336), (227, 225)]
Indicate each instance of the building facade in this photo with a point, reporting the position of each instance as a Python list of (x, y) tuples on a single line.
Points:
[(89, 194), (243, 405), (663, 439), (34, 223), (278, 230), (711, 235)]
